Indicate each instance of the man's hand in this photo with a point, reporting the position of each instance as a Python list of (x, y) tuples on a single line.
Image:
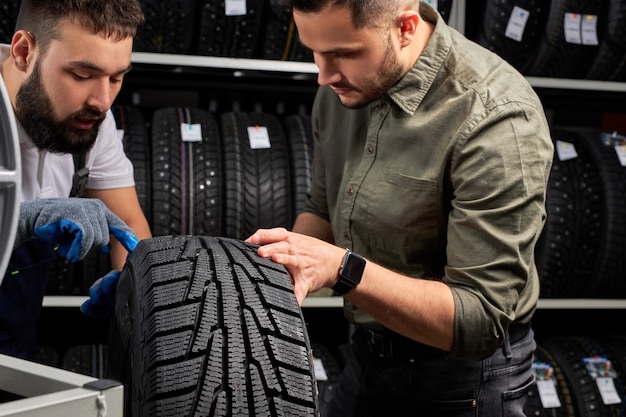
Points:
[(311, 262), (77, 225), (102, 296)]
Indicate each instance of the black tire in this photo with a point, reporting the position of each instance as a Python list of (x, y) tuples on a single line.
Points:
[(186, 179), (136, 142), (169, 27), (444, 7), (610, 61), (534, 406), (8, 17), (258, 181), (278, 33), (229, 36), (204, 326), (555, 56), (567, 249), (569, 354), (607, 279), (492, 35), (300, 138)]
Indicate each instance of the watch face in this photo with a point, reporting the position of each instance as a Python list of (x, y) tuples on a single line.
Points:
[(353, 267)]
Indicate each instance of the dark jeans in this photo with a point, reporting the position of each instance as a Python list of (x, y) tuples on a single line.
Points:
[(371, 385), (21, 295)]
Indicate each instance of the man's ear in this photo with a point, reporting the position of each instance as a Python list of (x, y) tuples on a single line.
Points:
[(407, 23), (22, 49)]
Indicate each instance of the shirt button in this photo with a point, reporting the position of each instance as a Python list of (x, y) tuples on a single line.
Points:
[(346, 235), (370, 149), (381, 104), (350, 190)]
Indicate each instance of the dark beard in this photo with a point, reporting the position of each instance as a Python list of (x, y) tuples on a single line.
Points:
[(387, 76), (33, 109)]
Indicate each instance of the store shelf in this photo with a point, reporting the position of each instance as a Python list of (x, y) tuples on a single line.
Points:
[(239, 67), (337, 302), (223, 63)]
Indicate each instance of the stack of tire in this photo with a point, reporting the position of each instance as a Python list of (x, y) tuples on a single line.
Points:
[(585, 379), (264, 29), (581, 39), (582, 249)]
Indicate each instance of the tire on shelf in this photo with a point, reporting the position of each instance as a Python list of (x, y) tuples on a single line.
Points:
[(534, 406), (567, 248), (204, 326), (569, 352), (187, 174), (234, 36), (168, 28), (8, 17), (558, 58), (610, 61), (131, 122), (300, 138), (257, 178), (492, 34)]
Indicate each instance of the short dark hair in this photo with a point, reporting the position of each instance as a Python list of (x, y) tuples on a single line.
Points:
[(364, 12), (116, 18)]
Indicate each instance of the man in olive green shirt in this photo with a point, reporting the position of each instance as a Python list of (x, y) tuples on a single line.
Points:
[(432, 157)]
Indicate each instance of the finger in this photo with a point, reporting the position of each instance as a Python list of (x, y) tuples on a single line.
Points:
[(121, 231), (265, 236)]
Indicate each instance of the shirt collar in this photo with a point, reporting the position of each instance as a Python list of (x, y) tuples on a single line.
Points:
[(409, 92)]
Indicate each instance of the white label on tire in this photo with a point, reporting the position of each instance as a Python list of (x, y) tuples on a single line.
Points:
[(191, 132), (235, 7), (548, 394), (517, 24), (320, 371), (609, 394), (572, 28), (259, 137), (589, 30), (565, 150)]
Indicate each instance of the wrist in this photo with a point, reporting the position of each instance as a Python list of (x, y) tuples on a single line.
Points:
[(350, 272)]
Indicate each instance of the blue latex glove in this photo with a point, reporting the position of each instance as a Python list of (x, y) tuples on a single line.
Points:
[(77, 225), (101, 299)]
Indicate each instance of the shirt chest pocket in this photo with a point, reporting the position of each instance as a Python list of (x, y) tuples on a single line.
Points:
[(401, 214)]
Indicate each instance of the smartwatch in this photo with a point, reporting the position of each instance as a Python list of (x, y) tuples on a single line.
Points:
[(350, 272)]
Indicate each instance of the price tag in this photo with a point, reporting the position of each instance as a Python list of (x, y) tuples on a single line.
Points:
[(565, 151), (589, 30), (548, 394), (517, 24), (191, 132), (546, 385), (320, 371), (259, 137), (606, 386), (120, 134), (572, 28), (235, 7)]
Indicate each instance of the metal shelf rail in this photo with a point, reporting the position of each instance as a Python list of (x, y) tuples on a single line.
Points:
[(53, 392)]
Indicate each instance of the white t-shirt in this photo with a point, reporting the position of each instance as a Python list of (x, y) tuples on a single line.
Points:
[(49, 175)]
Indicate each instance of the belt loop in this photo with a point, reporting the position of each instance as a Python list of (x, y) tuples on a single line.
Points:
[(507, 345)]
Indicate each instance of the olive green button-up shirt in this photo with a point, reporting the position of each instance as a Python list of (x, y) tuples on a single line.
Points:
[(443, 178)]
